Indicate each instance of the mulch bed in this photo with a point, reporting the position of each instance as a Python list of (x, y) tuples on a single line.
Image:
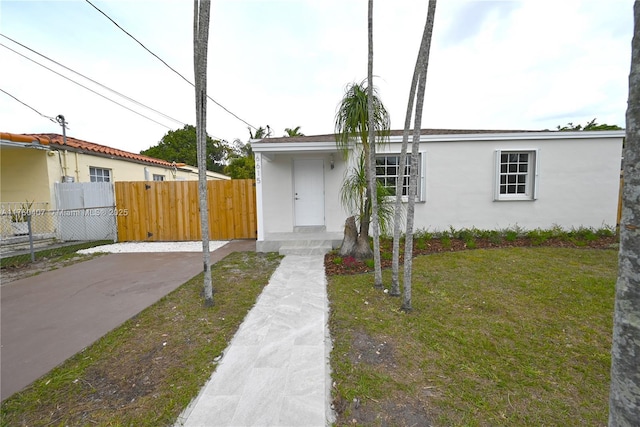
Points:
[(350, 265)]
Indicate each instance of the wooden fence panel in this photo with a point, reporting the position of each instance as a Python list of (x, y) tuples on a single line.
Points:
[(169, 211)]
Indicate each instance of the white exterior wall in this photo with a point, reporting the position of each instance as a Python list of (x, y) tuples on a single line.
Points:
[(578, 184), (276, 185)]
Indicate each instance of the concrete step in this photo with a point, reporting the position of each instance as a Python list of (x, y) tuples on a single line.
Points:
[(305, 247), (304, 250)]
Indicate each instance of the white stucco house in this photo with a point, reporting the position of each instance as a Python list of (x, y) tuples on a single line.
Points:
[(486, 179)]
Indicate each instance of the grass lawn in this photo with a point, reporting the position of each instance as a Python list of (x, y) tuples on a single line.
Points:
[(517, 336), (145, 372)]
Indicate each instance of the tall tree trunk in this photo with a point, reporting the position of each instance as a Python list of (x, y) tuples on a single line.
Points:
[(422, 80), (624, 398), (371, 161), (397, 219), (200, 45)]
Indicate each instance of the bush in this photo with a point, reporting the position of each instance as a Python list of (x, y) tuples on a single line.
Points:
[(511, 235)]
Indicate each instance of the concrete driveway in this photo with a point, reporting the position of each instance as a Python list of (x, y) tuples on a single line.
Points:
[(46, 319)]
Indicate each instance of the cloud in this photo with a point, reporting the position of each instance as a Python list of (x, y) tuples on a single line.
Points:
[(472, 17)]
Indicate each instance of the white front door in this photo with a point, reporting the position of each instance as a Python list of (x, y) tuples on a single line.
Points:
[(308, 191)]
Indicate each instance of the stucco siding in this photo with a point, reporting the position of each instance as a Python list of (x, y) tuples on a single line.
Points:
[(24, 175), (277, 189), (277, 193), (576, 183), (77, 165)]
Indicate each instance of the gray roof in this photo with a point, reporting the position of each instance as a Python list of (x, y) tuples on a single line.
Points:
[(331, 136)]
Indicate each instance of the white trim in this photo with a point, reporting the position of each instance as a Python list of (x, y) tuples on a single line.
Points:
[(259, 204), (263, 146), (34, 144), (422, 197), (288, 147), (534, 175), (518, 136)]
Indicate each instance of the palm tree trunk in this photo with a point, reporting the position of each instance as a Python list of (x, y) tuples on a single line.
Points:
[(200, 45), (395, 263), (371, 161), (624, 397), (422, 80)]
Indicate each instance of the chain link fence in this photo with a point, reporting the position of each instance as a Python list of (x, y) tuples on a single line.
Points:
[(30, 231)]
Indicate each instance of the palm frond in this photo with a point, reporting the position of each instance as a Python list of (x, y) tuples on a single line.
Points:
[(351, 124)]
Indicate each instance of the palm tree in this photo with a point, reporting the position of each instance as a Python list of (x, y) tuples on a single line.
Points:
[(371, 160), (260, 133), (419, 80), (293, 131), (353, 195), (624, 397), (352, 131), (200, 45)]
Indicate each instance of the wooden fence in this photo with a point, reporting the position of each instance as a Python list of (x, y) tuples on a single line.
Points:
[(169, 211)]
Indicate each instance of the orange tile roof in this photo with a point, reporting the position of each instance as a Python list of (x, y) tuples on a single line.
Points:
[(53, 139)]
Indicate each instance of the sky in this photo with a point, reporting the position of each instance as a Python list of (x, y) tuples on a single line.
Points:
[(528, 64)]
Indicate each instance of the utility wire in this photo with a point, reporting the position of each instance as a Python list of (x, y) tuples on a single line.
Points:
[(93, 81), (171, 68), (83, 86), (28, 106)]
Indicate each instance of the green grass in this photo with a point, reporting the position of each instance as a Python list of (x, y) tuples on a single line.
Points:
[(517, 337), (145, 372)]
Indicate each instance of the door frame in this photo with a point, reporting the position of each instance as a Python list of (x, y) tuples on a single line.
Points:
[(321, 196)]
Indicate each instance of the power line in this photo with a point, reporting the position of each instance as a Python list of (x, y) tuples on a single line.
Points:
[(171, 68), (28, 106), (83, 86), (95, 82)]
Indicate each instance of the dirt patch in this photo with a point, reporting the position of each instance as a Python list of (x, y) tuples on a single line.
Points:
[(386, 413), (366, 349), (400, 410)]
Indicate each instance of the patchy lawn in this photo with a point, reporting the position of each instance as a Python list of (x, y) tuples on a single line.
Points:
[(148, 370), (512, 336)]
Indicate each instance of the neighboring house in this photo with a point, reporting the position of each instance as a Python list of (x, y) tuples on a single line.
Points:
[(486, 179), (32, 163)]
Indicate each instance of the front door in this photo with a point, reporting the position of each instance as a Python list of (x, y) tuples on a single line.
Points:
[(308, 197)]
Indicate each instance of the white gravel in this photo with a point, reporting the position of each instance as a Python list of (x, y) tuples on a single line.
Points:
[(129, 247)]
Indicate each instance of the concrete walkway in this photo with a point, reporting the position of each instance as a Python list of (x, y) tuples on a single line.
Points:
[(275, 371)]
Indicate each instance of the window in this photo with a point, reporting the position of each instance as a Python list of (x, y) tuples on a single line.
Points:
[(157, 177), (516, 175), (388, 173), (99, 174)]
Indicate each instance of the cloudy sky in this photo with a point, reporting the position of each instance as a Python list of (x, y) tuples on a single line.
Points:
[(529, 64)]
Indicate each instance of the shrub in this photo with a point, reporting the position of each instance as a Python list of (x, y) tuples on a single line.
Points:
[(422, 234), (511, 235), (494, 237), (421, 244), (445, 239), (470, 243), (538, 236), (606, 232)]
